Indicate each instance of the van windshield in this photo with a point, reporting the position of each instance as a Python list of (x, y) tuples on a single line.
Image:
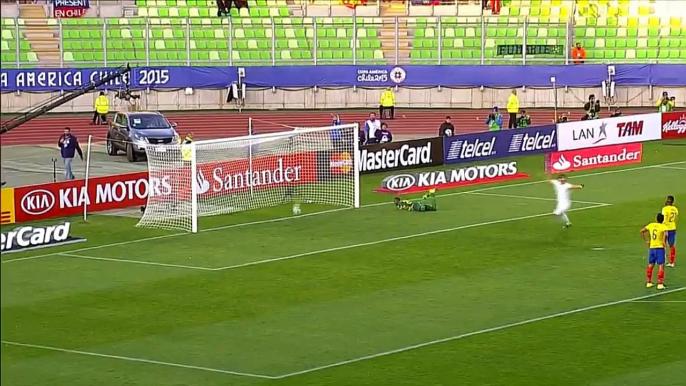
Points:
[(149, 121)]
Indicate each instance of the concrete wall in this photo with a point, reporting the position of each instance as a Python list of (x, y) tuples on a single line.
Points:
[(354, 98)]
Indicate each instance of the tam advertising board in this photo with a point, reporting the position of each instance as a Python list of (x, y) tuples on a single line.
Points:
[(594, 158), (674, 125), (609, 131), (70, 8), (499, 144), (447, 179)]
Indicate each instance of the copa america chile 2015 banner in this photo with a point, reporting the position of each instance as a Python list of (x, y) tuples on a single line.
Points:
[(70, 8), (609, 131)]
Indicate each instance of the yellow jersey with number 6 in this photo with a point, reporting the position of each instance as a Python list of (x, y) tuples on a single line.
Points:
[(658, 233), (671, 214)]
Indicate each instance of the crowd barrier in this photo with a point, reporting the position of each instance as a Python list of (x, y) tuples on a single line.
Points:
[(568, 147)]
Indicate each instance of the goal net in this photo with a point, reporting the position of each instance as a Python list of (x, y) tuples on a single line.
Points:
[(304, 165)]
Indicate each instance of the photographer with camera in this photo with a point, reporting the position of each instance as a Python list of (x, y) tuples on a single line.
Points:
[(592, 108), (494, 120), (665, 104)]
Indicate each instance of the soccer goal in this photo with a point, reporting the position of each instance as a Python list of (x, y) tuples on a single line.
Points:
[(303, 165)]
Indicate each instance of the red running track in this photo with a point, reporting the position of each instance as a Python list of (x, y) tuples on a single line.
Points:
[(209, 125)]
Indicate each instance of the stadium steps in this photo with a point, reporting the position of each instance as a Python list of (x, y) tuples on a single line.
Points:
[(387, 34), (43, 39)]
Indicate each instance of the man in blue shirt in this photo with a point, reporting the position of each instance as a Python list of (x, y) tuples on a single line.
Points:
[(69, 145)]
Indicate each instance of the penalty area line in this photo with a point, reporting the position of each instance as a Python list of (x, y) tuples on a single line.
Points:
[(479, 332), (134, 359), (398, 238), (489, 188)]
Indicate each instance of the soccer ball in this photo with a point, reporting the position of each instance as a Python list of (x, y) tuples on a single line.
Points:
[(296, 209)]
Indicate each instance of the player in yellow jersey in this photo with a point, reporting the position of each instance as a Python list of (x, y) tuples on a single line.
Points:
[(671, 214), (656, 240)]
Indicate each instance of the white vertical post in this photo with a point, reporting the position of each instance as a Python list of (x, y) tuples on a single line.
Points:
[(356, 165), (250, 153), (87, 177), (194, 188)]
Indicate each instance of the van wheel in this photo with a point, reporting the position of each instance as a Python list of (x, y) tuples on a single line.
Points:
[(111, 150), (130, 153)]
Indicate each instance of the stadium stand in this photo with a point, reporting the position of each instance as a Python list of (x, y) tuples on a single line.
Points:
[(180, 32)]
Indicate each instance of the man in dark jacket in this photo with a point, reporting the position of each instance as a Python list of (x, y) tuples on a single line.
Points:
[(223, 7), (592, 108), (384, 135), (447, 129), (69, 146)]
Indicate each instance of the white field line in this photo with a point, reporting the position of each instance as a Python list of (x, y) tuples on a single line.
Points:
[(671, 167), (133, 359), (659, 301), (533, 198), (415, 235), (479, 332), (322, 213), (136, 262)]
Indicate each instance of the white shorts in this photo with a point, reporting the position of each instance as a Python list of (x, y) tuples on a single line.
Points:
[(562, 207)]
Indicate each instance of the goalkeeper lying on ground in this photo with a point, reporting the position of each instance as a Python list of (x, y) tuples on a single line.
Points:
[(425, 204)]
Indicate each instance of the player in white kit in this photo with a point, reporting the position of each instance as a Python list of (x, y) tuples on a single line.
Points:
[(564, 202)]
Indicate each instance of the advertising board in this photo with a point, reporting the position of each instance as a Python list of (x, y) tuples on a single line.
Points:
[(609, 131), (446, 179), (594, 158), (401, 155), (67, 198), (499, 144), (674, 125), (25, 238)]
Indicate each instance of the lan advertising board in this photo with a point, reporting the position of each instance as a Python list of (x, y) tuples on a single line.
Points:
[(609, 131), (499, 144)]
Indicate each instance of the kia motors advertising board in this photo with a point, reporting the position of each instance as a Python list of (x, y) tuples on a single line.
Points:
[(674, 125), (609, 131), (401, 155), (499, 144), (64, 199), (594, 158), (446, 179), (29, 237)]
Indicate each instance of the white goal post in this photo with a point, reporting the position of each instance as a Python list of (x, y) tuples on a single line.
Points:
[(303, 165)]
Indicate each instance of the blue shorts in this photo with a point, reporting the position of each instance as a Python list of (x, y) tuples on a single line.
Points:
[(671, 238), (656, 256)]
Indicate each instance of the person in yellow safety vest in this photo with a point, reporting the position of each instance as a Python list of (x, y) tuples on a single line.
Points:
[(387, 104), (102, 107), (186, 154), (512, 109), (665, 104)]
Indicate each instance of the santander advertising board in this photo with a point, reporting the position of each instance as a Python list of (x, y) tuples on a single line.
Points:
[(594, 158)]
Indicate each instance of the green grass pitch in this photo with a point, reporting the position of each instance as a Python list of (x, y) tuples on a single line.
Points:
[(489, 290)]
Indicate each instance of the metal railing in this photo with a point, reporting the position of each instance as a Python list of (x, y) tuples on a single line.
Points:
[(296, 41)]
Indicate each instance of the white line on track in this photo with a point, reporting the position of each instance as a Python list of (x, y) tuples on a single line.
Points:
[(133, 359), (480, 332), (136, 262), (127, 242), (347, 362), (415, 235)]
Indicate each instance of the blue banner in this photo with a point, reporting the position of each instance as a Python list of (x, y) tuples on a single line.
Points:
[(46, 79), (499, 144)]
